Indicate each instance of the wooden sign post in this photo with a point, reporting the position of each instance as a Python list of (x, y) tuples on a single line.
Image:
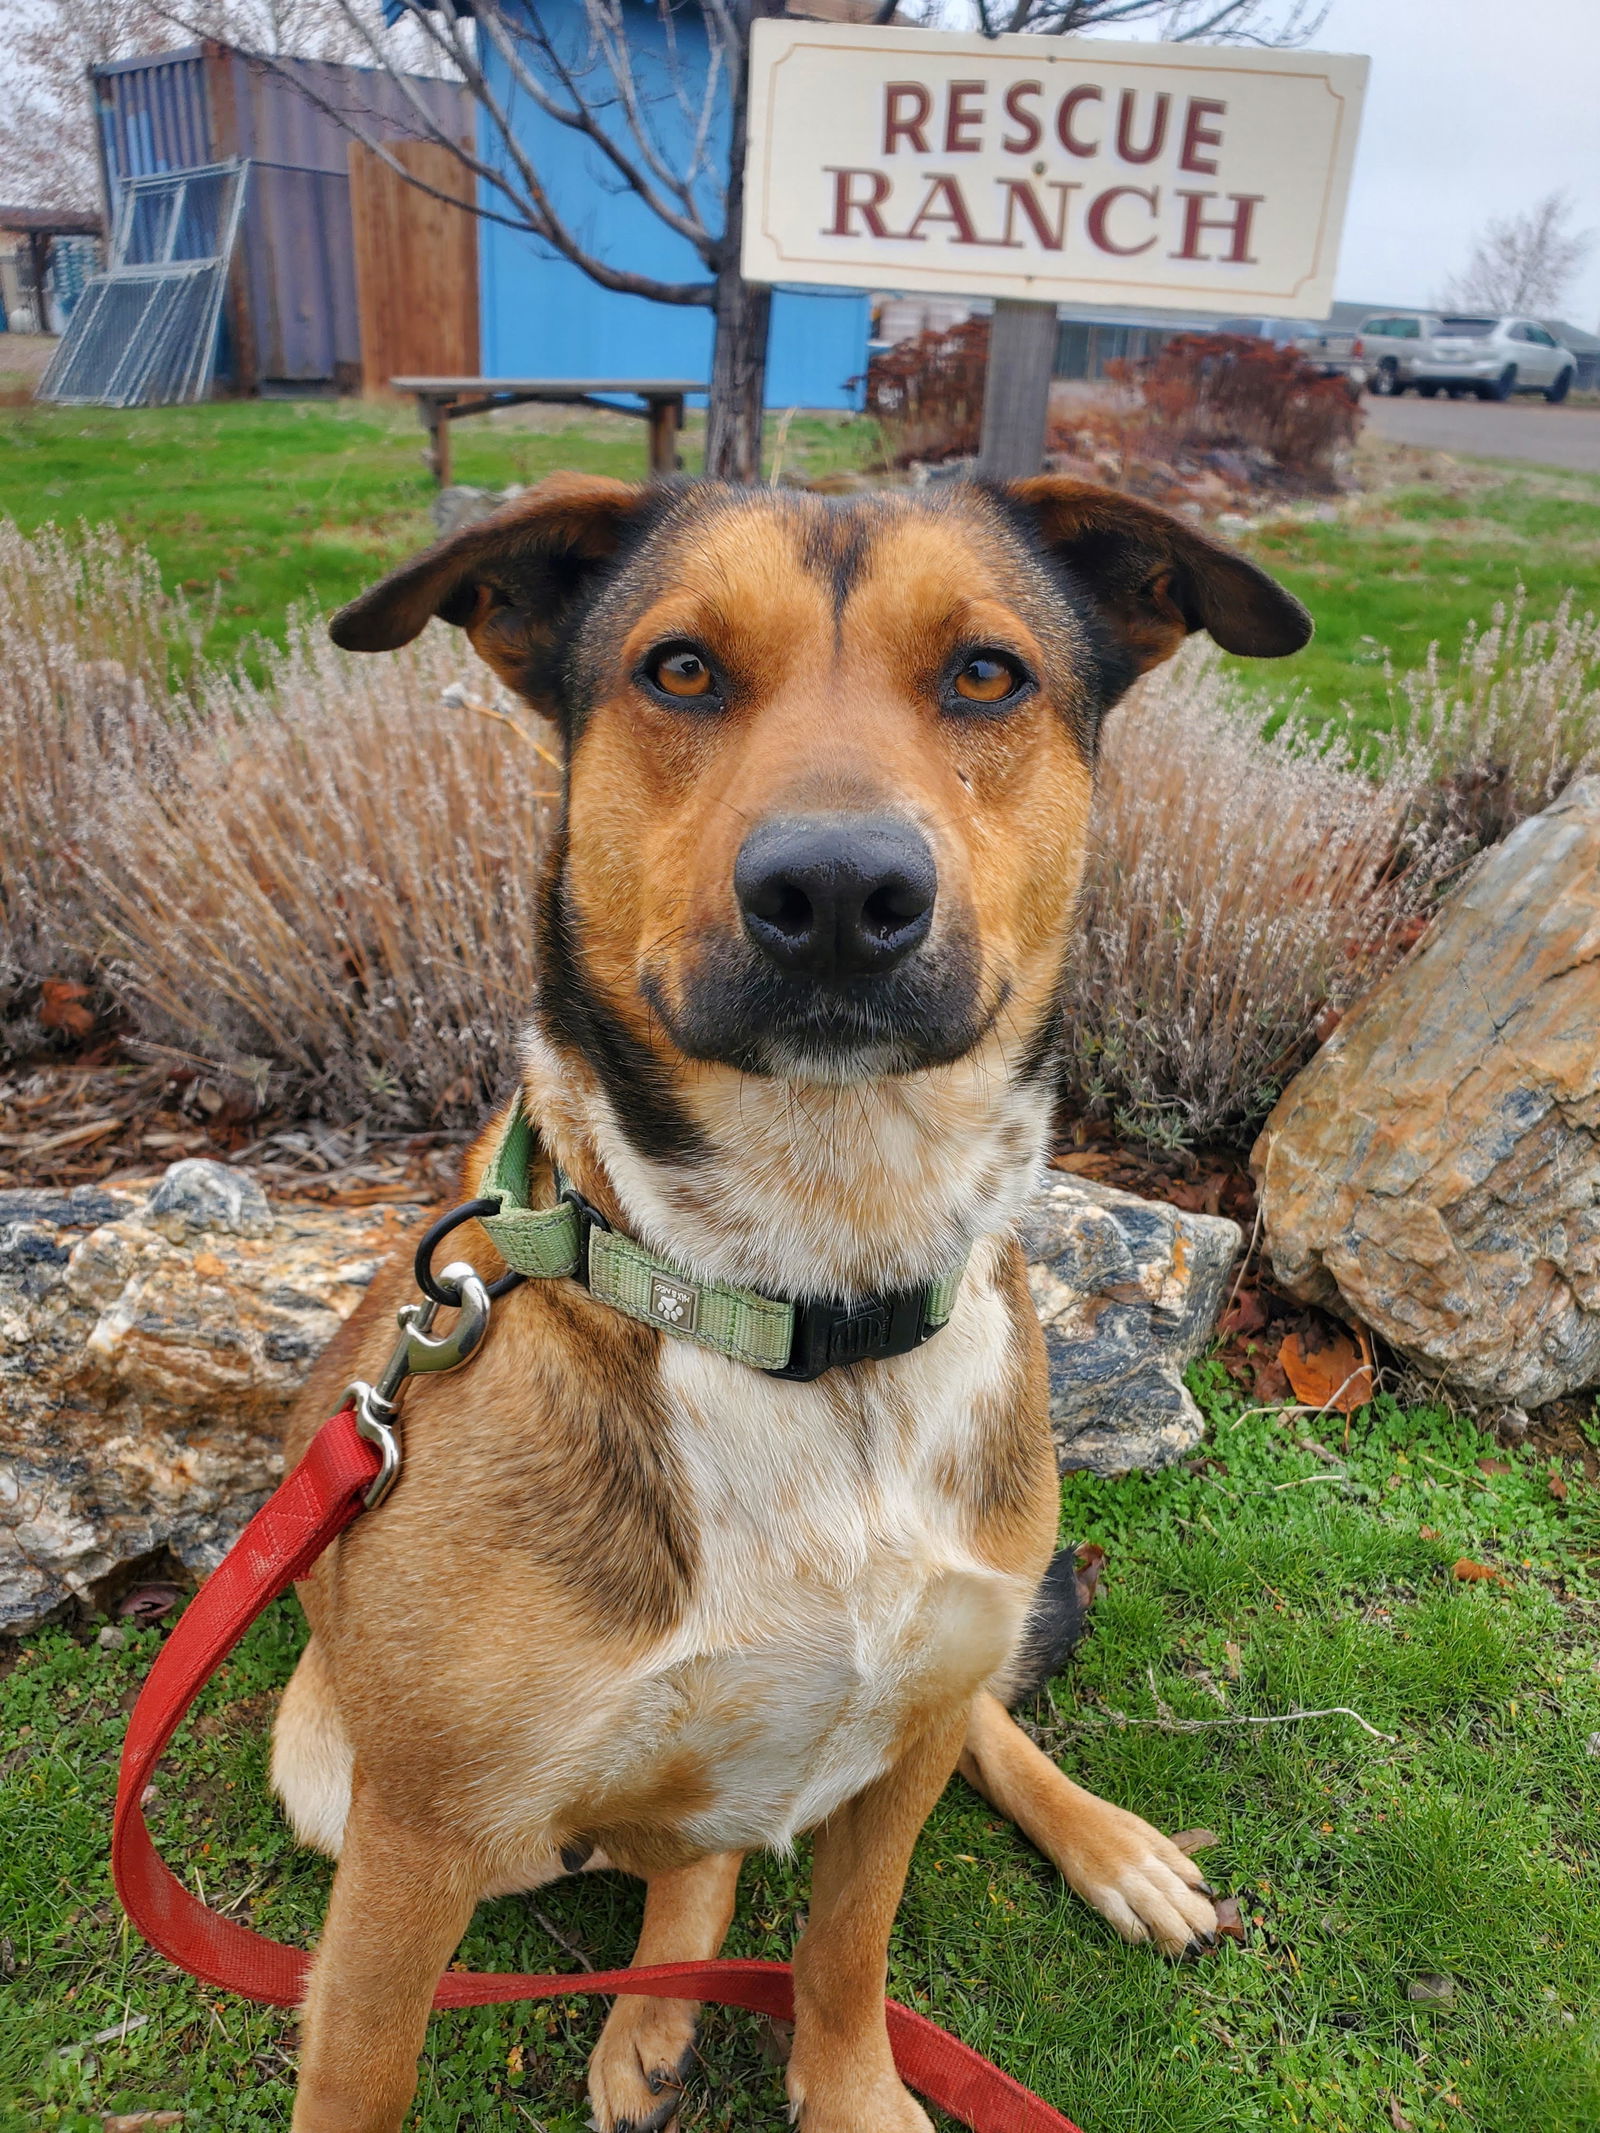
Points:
[(1046, 170), (1016, 389)]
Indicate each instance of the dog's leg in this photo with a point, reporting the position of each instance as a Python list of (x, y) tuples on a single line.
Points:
[(400, 1905), (311, 1756), (637, 2072), (1129, 1872), (841, 2071)]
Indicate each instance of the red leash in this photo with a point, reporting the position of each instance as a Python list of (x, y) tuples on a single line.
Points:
[(309, 1510)]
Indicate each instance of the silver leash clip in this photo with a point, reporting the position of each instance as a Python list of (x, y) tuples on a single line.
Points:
[(377, 1407)]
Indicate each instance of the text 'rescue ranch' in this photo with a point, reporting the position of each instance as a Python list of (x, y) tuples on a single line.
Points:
[(1064, 169)]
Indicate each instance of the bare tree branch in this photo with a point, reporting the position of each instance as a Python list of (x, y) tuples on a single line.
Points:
[(582, 117), (1262, 22), (1522, 262)]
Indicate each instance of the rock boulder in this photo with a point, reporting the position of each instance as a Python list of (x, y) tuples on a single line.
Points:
[(1128, 1292), (149, 1345), (1435, 1170)]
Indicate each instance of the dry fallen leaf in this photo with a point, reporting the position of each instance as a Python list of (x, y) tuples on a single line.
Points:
[(1196, 1840), (1234, 1655), (1246, 1314), (1083, 1163), (1397, 2117), (1088, 1563), (1428, 1533), (1230, 1925), (1558, 1487), (1337, 1375), (1271, 1386), (61, 1006), (1494, 1466), (1467, 1572), (148, 1603)]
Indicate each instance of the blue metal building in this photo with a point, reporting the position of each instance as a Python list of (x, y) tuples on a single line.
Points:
[(541, 316)]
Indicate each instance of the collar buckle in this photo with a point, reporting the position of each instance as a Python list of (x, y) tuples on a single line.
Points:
[(828, 1336)]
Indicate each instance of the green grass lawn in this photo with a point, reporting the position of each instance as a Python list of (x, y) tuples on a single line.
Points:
[(1276, 1578), (265, 503), (1407, 567), (260, 504)]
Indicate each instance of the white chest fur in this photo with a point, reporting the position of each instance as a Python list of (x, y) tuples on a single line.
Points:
[(838, 1593)]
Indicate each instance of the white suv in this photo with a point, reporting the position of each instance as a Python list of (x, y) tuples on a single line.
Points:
[(1461, 352)]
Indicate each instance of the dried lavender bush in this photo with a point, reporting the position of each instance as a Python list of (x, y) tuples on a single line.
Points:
[(1512, 722), (322, 884), (93, 660), (334, 899), (325, 884), (1239, 888)]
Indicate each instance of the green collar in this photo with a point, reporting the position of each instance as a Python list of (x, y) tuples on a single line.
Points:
[(788, 1340)]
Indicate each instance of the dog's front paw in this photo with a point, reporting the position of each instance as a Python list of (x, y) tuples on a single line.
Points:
[(843, 2100), (1140, 1881), (638, 2068)]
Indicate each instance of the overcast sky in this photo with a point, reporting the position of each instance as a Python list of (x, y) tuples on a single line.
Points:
[(1474, 108)]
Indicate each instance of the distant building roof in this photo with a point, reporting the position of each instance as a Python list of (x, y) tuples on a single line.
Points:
[(51, 221)]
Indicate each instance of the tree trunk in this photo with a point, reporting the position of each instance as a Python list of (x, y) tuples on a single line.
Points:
[(743, 309), (738, 376)]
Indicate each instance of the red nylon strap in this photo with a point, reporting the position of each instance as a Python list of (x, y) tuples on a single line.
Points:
[(308, 1511)]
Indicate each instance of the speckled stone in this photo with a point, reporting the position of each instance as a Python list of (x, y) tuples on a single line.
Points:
[(1128, 1292), (1435, 1170), (146, 1362)]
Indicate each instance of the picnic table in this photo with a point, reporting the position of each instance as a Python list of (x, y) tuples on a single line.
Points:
[(441, 401)]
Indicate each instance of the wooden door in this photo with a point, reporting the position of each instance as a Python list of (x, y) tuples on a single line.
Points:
[(416, 266)]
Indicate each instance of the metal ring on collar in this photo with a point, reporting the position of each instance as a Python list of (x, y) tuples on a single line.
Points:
[(447, 1294)]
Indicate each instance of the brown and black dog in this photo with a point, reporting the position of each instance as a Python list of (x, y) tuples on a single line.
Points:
[(634, 1603)]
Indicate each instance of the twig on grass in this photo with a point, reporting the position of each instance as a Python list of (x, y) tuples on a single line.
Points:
[(1169, 1722), (1274, 1407), (549, 1926), (116, 2034)]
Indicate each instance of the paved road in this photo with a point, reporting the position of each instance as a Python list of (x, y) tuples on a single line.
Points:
[(1566, 437)]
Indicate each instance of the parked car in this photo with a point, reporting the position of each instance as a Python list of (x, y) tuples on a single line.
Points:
[(1331, 353), (1462, 352)]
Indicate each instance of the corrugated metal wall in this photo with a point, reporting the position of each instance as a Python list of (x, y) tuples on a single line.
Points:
[(153, 115), (292, 303)]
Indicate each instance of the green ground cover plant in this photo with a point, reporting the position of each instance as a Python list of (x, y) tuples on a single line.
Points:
[(1459, 1858)]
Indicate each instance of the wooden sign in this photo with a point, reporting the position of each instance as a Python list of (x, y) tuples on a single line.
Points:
[(1053, 169)]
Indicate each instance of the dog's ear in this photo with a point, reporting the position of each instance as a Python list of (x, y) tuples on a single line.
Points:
[(1156, 578), (509, 580)]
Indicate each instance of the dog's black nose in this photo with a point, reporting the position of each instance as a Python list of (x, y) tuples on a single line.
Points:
[(836, 896)]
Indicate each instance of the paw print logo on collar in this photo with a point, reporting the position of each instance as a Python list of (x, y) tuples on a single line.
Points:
[(673, 1303)]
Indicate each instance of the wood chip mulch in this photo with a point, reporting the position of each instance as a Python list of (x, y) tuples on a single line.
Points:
[(105, 1119)]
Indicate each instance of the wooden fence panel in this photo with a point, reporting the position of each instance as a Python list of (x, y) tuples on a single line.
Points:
[(416, 266)]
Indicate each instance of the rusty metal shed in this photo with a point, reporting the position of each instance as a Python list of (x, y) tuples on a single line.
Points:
[(291, 316)]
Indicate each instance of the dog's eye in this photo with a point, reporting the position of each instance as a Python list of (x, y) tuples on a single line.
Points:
[(987, 678), (682, 673)]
